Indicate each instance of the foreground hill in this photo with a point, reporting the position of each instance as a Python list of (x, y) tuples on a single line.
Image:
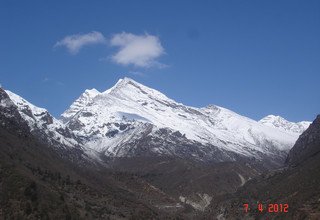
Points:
[(297, 185)]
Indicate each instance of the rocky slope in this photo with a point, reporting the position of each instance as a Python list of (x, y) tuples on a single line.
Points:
[(50, 131), (308, 144), (41, 123)]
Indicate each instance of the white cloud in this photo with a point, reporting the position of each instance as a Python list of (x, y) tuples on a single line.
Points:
[(137, 50), (75, 42)]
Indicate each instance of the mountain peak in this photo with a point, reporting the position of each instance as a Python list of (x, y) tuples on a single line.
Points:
[(273, 117), (128, 88), (92, 91), (79, 103), (121, 83), (285, 125), (126, 81)]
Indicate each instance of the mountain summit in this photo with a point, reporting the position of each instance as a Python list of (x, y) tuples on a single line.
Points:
[(284, 125), (77, 105)]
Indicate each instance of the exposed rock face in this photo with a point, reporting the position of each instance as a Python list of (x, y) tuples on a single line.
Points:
[(10, 115), (307, 145), (42, 124)]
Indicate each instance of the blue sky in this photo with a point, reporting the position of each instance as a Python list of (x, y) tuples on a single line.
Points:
[(253, 57)]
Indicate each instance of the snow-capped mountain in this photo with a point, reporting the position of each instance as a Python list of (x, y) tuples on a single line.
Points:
[(47, 129), (131, 119), (42, 123), (284, 125)]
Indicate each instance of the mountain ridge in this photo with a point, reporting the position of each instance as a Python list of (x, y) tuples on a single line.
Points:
[(116, 112), (131, 119)]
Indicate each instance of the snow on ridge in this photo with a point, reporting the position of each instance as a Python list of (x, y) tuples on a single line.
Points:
[(79, 103), (285, 125), (20, 102), (210, 125), (40, 118), (106, 121), (92, 92), (127, 87)]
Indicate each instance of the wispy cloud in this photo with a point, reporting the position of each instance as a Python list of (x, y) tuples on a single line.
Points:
[(47, 80), (137, 50), (74, 43)]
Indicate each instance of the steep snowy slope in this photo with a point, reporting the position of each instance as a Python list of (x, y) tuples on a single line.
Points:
[(130, 117), (81, 102), (284, 125), (42, 124)]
